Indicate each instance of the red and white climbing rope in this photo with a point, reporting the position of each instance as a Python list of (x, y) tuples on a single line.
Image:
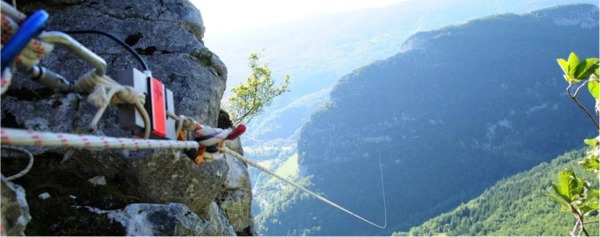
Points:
[(10, 136)]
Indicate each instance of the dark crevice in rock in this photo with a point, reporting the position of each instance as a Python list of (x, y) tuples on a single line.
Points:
[(114, 59), (121, 16), (248, 231), (13, 162), (62, 2), (29, 95), (131, 40), (224, 121), (56, 104), (147, 51), (174, 77), (69, 190), (10, 121)]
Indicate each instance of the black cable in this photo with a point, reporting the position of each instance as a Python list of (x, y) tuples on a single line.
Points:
[(125, 45)]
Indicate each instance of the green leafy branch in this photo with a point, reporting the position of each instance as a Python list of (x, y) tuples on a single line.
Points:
[(574, 194), (258, 92), (579, 73)]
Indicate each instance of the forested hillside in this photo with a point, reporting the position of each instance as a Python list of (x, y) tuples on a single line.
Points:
[(518, 205), (454, 112)]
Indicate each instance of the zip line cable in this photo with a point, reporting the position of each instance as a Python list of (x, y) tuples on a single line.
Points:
[(382, 189), (317, 196)]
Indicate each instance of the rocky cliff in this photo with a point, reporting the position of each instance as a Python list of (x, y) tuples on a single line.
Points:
[(122, 192)]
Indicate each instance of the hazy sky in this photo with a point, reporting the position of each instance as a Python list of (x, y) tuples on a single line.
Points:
[(221, 16)]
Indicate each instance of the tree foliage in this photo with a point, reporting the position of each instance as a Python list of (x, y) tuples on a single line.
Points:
[(515, 206), (258, 92), (574, 194)]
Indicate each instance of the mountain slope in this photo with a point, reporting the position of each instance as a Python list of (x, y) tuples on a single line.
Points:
[(458, 109), (317, 50), (518, 205)]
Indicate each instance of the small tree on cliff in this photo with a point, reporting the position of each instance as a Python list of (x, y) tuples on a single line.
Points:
[(576, 195), (249, 99)]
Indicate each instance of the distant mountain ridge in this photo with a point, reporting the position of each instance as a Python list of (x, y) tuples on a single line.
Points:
[(316, 51), (456, 110)]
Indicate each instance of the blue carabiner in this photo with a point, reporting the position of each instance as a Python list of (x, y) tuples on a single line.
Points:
[(32, 26)]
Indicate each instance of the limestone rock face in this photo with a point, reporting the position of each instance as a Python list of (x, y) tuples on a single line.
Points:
[(172, 219), (15, 211), (236, 198), (179, 196)]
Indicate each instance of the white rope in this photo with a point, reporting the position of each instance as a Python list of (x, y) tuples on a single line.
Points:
[(319, 197), (35, 49), (104, 91), (24, 171), (6, 79), (184, 123), (12, 12), (30, 55), (10, 136), (33, 53), (22, 137)]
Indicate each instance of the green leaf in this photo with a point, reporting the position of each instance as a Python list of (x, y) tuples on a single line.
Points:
[(585, 68), (590, 163), (591, 203), (564, 205), (562, 193), (570, 184), (564, 65), (594, 194), (594, 88), (573, 62), (593, 142)]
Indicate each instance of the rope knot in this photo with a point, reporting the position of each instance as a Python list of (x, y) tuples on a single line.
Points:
[(127, 95), (189, 124), (34, 52), (87, 82), (98, 97)]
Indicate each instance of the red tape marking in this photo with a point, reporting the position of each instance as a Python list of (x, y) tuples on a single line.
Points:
[(63, 140), (37, 139), (5, 138)]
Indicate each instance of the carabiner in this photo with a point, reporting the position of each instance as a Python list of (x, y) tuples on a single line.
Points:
[(30, 28)]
